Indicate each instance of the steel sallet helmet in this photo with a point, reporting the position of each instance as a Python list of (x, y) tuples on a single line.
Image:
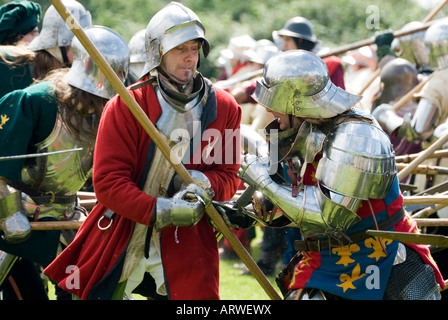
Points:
[(55, 32), (399, 76), (436, 39), (85, 74), (297, 82), (137, 47), (173, 25)]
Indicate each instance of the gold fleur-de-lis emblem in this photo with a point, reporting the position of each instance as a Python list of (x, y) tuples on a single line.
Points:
[(4, 119), (347, 280)]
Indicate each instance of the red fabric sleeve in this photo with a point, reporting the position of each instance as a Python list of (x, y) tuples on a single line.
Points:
[(120, 153)]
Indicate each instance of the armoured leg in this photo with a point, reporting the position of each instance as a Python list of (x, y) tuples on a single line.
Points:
[(412, 280)]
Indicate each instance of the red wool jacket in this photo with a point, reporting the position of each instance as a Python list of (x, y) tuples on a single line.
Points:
[(120, 154)]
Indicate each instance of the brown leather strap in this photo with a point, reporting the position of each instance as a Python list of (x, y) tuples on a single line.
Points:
[(325, 244)]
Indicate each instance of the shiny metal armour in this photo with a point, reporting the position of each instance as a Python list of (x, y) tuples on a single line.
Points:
[(399, 76), (55, 32), (297, 82), (358, 161), (168, 28), (62, 174), (436, 39), (413, 46), (85, 73)]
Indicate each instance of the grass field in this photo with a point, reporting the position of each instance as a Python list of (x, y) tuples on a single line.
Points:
[(237, 286)]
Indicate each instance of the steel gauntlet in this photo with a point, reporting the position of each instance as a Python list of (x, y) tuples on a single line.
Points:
[(185, 209), (15, 224)]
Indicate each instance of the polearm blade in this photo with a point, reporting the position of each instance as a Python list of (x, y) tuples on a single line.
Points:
[(416, 238), (35, 155)]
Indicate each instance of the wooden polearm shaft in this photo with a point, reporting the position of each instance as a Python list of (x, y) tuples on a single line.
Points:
[(426, 212), (409, 157), (433, 199), (74, 225), (424, 169), (370, 41), (423, 156), (401, 33), (155, 136), (436, 222), (54, 225)]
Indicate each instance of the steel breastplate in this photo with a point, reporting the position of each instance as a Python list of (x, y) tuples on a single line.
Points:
[(357, 164), (181, 125), (62, 173)]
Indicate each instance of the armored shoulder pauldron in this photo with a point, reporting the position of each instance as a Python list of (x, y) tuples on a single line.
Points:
[(307, 141)]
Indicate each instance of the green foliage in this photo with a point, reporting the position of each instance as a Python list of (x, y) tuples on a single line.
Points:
[(336, 22)]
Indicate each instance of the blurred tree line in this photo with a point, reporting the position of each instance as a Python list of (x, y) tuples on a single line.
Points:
[(336, 22)]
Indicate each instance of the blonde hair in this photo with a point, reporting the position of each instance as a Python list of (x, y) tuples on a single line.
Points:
[(19, 55)]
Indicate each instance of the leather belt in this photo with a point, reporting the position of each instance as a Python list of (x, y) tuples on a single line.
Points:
[(43, 198), (325, 244)]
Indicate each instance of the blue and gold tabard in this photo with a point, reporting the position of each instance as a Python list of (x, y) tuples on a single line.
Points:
[(360, 270)]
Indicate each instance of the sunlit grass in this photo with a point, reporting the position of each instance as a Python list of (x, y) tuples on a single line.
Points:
[(236, 286)]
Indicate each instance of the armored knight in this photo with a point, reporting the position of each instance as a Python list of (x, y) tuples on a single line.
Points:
[(148, 233), (342, 182), (412, 47), (47, 141), (398, 77), (432, 109)]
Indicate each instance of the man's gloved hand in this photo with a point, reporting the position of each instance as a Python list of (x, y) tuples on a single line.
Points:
[(254, 172), (185, 209), (234, 217), (199, 178), (383, 40), (15, 224)]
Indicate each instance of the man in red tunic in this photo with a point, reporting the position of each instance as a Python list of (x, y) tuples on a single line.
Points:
[(139, 237)]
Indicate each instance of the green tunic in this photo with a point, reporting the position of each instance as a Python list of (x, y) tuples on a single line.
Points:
[(27, 117), (13, 77)]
